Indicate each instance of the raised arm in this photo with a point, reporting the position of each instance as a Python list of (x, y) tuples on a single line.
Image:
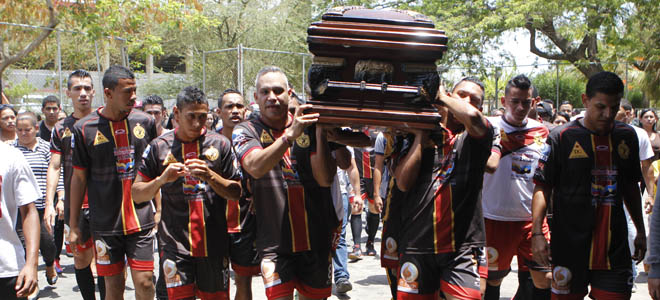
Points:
[(475, 123), (324, 166), (408, 168)]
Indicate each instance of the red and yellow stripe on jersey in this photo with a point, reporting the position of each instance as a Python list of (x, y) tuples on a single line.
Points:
[(602, 235), (513, 141), (129, 217), (297, 211), (196, 223), (233, 216), (443, 211)]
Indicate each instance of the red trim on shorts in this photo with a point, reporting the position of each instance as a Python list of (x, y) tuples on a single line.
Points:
[(85, 246), (408, 296), (483, 271), (314, 293), (141, 265), (281, 290), (248, 152), (219, 295), (79, 168), (181, 292), (147, 178), (366, 197), (388, 263), (567, 296), (460, 292), (55, 151), (245, 270), (109, 270), (607, 295)]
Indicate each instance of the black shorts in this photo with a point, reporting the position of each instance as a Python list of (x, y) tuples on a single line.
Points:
[(85, 232), (203, 277), (309, 272), (572, 283), (243, 251), (455, 274), (113, 250)]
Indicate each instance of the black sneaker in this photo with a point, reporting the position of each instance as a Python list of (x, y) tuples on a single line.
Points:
[(343, 285), (356, 254), (370, 249)]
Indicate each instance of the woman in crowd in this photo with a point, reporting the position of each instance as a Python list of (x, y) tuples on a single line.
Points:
[(560, 118)]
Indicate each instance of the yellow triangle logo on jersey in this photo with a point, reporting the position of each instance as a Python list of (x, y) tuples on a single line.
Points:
[(100, 138), (67, 133), (169, 159), (577, 152), (266, 138)]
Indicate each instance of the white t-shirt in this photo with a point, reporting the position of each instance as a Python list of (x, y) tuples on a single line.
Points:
[(507, 193), (19, 187), (645, 149)]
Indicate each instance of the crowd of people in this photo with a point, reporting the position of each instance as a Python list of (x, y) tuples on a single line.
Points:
[(266, 190)]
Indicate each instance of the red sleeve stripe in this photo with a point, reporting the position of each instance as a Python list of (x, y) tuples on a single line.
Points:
[(147, 178), (80, 168), (55, 151), (543, 184), (248, 152), (496, 150)]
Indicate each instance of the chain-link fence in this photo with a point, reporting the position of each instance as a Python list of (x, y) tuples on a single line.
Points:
[(237, 68)]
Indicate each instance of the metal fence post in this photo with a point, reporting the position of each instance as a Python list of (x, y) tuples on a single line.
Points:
[(303, 77), (204, 71), (59, 65), (626, 92), (240, 68), (557, 80)]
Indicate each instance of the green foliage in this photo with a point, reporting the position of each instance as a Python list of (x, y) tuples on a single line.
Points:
[(165, 88), (17, 91), (571, 86)]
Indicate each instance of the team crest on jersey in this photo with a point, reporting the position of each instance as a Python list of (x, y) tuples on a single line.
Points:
[(212, 153), (138, 131), (623, 150), (503, 136), (408, 279), (67, 133), (266, 138), (577, 152), (539, 140), (100, 139), (303, 140), (169, 159)]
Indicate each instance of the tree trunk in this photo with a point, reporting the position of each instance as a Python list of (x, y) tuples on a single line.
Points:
[(150, 66)]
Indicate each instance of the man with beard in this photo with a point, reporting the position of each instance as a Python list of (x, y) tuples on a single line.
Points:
[(442, 233)]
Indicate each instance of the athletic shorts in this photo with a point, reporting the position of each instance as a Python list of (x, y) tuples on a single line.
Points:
[(113, 250), (243, 252), (455, 274), (85, 233), (309, 272), (389, 258), (504, 239), (482, 262), (572, 283), (189, 277)]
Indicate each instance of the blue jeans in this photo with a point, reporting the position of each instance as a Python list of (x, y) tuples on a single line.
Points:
[(340, 258)]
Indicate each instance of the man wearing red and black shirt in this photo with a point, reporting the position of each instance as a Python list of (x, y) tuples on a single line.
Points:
[(80, 89), (106, 144), (195, 171), (442, 224), (591, 168), (290, 185)]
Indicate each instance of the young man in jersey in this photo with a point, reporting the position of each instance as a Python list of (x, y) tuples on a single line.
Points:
[(106, 143), (442, 229), (194, 169), (507, 194), (241, 222), (80, 89), (290, 170), (153, 105), (591, 168)]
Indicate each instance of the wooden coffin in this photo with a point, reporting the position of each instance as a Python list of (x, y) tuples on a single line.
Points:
[(375, 67)]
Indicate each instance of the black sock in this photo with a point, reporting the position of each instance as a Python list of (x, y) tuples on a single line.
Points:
[(525, 286), (492, 292), (85, 281), (372, 226), (541, 294), (101, 285), (356, 228)]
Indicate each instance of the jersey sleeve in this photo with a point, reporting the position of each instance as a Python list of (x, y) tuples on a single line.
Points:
[(547, 166), (56, 141), (645, 149), (381, 143), (148, 162), (244, 141), (26, 189), (80, 156), (228, 167)]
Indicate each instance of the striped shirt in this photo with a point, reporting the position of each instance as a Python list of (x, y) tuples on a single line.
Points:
[(38, 159)]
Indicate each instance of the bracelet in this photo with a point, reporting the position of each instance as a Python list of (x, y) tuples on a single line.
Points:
[(537, 233), (286, 140)]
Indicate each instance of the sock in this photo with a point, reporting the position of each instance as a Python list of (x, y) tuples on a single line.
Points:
[(85, 281), (101, 285), (356, 228), (492, 292), (372, 226), (541, 294), (392, 280), (525, 286)]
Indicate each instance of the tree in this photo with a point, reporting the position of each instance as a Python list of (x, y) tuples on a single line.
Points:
[(21, 7)]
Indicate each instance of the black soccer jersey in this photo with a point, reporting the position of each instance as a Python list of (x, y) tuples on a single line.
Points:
[(108, 150), (365, 160), (192, 215), (586, 171), (61, 144), (44, 132), (442, 211), (291, 209)]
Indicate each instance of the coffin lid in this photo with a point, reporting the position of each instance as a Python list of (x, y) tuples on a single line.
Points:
[(360, 14)]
